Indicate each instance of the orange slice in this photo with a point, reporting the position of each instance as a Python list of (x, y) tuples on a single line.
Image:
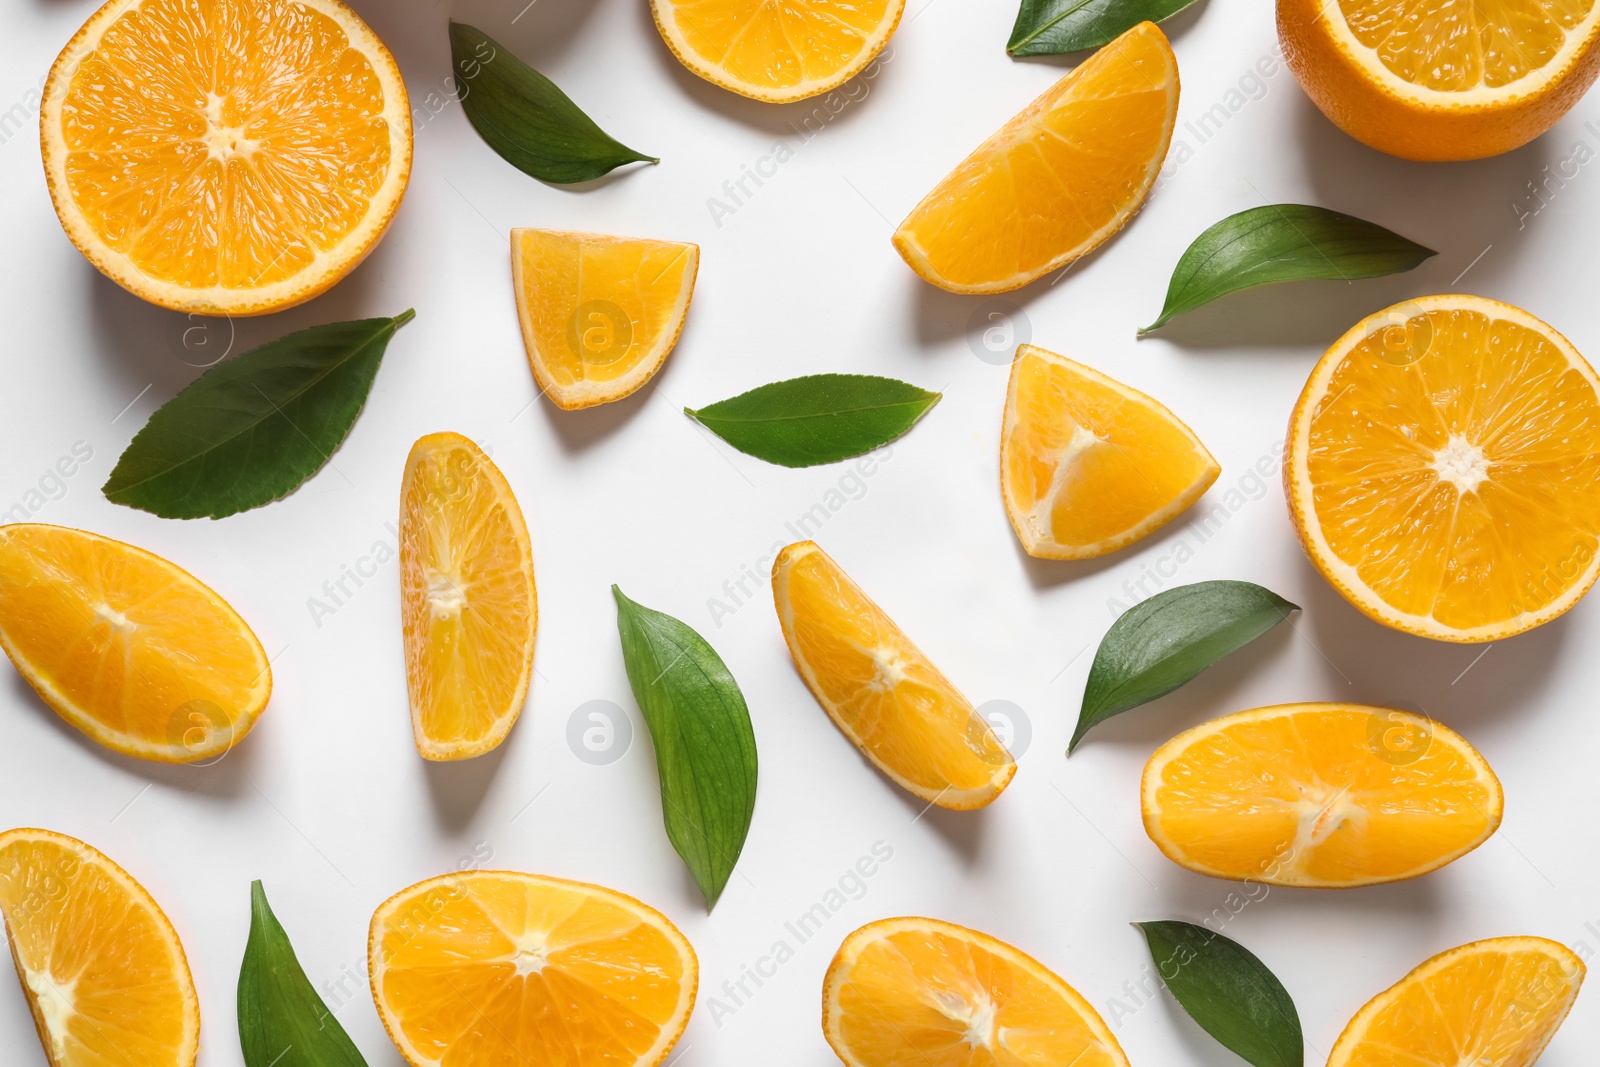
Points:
[(1056, 181), (1494, 1003), (467, 602), (777, 52), (129, 648), (880, 690), (1088, 465), (225, 158), (1470, 510), (491, 967), (103, 971), (1326, 795), (921, 992), (599, 314), (1452, 80)]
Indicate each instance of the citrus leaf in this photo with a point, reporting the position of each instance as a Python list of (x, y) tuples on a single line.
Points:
[(820, 418), (1163, 642), (282, 1021), (1283, 243), (1055, 27), (524, 117), (1228, 991), (705, 748)]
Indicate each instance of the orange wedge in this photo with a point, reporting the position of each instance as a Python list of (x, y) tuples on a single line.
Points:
[(1325, 795), (1470, 510), (880, 690), (497, 967), (1448, 81), (1088, 465), (129, 648), (599, 314), (924, 993), (467, 602), (777, 52), (103, 971), (1056, 181), (1494, 1003), (225, 158)]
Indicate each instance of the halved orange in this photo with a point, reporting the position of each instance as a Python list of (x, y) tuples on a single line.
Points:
[(101, 966), (1324, 795), (491, 967), (1089, 465), (1057, 180), (467, 600), (1493, 1003), (1443, 469), (880, 690), (129, 648), (924, 993), (777, 52), (599, 314), (225, 158)]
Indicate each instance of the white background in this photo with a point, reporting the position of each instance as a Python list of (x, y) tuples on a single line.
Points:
[(329, 802)]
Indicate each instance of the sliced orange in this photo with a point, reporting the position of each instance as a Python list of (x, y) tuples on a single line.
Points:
[(1451, 80), (1088, 465), (1443, 469), (880, 690), (777, 52), (101, 966), (492, 967), (599, 314), (467, 601), (226, 157), (1494, 1003), (923, 993), (129, 648), (1056, 181), (1325, 795)]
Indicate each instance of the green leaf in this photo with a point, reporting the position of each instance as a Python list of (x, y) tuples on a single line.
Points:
[(820, 418), (282, 1021), (528, 120), (1228, 991), (1163, 642), (1054, 27), (1283, 243), (252, 429), (705, 749)]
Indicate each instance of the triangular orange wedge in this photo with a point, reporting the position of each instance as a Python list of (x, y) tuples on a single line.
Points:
[(880, 690), (1089, 465), (599, 314), (1057, 180)]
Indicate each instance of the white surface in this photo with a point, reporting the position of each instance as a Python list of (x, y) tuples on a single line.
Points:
[(328, 801)]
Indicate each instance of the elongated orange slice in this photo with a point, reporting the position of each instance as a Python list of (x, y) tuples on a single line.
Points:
[(880, 690), (924, 993), (101, 966), (1089, 465), (1494, 1003), (497, 967), (1326, 795), (127, 647), (467, 600), (599, 314), (1057, 180)]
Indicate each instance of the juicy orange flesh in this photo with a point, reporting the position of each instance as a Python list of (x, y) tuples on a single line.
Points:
[(882, 688), (224, 142), (922, 998), (779, 45), (1460, 485), (1305, 796), (96, 954), (125, 639), (494, 970), (1456, 45)]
